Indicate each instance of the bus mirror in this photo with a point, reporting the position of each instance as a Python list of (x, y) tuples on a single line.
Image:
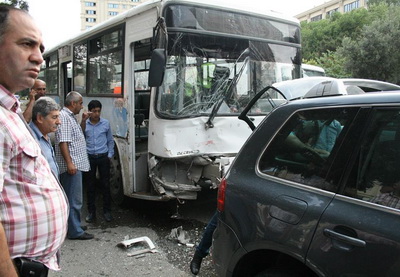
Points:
[(157, 67)]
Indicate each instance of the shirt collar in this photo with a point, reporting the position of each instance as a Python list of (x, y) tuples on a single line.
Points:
[(89, 122), (8, 100), (69, 111), (36, 130)]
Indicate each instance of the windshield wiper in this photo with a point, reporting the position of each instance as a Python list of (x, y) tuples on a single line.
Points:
[(226, 94)]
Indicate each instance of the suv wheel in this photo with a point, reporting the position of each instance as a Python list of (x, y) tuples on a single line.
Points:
[(278, 272)]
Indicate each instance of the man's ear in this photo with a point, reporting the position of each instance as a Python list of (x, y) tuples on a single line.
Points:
[(40, 118)]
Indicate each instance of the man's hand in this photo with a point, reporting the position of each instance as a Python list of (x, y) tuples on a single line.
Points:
[(32, 95), (86, 115), (71, 168)]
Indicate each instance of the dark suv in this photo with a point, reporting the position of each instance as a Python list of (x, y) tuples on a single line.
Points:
[(315, 191)]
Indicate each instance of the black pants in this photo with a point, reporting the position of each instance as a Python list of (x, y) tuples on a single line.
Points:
[(101, 163)]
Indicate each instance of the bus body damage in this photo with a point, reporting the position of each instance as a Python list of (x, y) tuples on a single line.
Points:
[(182, 178)]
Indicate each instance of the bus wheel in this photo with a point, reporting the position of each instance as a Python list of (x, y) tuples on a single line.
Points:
[(116, 183)]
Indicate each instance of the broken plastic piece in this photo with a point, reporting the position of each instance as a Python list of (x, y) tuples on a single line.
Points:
[(129, 242)]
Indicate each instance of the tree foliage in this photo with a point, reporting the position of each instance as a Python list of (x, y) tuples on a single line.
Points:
[(327, 35), (377, 2), (375, 54), (17, 3), (362, 43)]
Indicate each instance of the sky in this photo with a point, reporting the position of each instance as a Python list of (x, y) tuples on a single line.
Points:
[(58, 26)]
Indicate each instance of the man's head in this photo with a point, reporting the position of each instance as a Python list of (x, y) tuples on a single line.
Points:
[(74, 102), (95, 109), (21, 48), (45, 115), (40, 88)]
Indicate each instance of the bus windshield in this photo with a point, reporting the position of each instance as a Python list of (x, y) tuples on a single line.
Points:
[(205, 73), (219, 59)]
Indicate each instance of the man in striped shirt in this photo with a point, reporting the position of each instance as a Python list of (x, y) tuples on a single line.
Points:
[(33, 206), (72, 160)]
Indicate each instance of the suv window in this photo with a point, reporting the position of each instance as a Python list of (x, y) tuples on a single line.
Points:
[(375, 176), (304, 148)]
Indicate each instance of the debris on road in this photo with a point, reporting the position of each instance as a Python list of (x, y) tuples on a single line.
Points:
[(180, 235), (127, 243)]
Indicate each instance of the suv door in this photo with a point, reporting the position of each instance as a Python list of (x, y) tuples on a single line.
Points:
[(359, 233), (297, 182)]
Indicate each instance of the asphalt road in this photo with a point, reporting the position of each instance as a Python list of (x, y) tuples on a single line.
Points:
[(102, 257)]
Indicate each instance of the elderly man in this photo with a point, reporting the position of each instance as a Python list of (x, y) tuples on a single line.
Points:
[(45, 120), (33, 208), (72, 158), (38, 90)]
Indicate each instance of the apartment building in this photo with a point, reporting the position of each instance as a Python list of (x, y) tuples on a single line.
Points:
[(329, 7), (96, 11)]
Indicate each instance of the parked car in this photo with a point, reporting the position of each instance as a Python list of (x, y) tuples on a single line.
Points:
[(315, 190)]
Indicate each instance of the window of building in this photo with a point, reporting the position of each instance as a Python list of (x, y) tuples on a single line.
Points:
[(92, 20), (316, 18), (113, 6), (304, 149), (90, 4), (351, 6), (112, 13), (90, 12), (329, 13)]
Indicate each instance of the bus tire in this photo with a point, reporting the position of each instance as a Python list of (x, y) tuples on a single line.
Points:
[(116, 182)]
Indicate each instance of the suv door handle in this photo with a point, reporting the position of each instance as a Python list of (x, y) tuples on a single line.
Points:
[(344, 238)]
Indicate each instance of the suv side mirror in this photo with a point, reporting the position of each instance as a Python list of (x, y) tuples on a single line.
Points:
[(157, 67)]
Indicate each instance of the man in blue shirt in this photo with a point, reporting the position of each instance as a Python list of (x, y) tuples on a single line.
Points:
[(100, 148), (45, 120)]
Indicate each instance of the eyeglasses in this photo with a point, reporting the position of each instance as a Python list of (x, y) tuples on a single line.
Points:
[(40, 89)]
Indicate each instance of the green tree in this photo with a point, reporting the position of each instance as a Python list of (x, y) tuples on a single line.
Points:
[(375, 54), (327, 35), (333, 63), (377, 2), (17, 3)]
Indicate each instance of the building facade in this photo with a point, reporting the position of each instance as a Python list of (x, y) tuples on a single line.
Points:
[(328, 8), (96, 11)]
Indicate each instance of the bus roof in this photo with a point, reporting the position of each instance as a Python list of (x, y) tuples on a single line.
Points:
[(220, 4), (312, 67)]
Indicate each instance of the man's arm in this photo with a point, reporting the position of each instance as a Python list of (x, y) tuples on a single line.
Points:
[(85, 117), (28, 111), (6, 265), (71, 168)]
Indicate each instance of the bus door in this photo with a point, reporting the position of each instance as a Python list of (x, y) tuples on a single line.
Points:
[(141, 105), (66, 79)]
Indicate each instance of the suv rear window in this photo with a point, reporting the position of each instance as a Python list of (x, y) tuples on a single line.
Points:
[(304, 148), (375, 175)]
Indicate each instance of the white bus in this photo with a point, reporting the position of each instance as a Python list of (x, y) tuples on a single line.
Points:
[(179, 133), (310, 70)]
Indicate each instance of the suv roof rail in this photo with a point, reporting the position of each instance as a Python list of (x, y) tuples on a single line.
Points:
[(332, 87)]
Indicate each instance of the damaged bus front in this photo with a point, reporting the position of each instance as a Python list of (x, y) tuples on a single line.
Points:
[(216, 60)]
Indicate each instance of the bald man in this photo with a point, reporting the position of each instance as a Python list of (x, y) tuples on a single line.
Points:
[(38, 90)]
